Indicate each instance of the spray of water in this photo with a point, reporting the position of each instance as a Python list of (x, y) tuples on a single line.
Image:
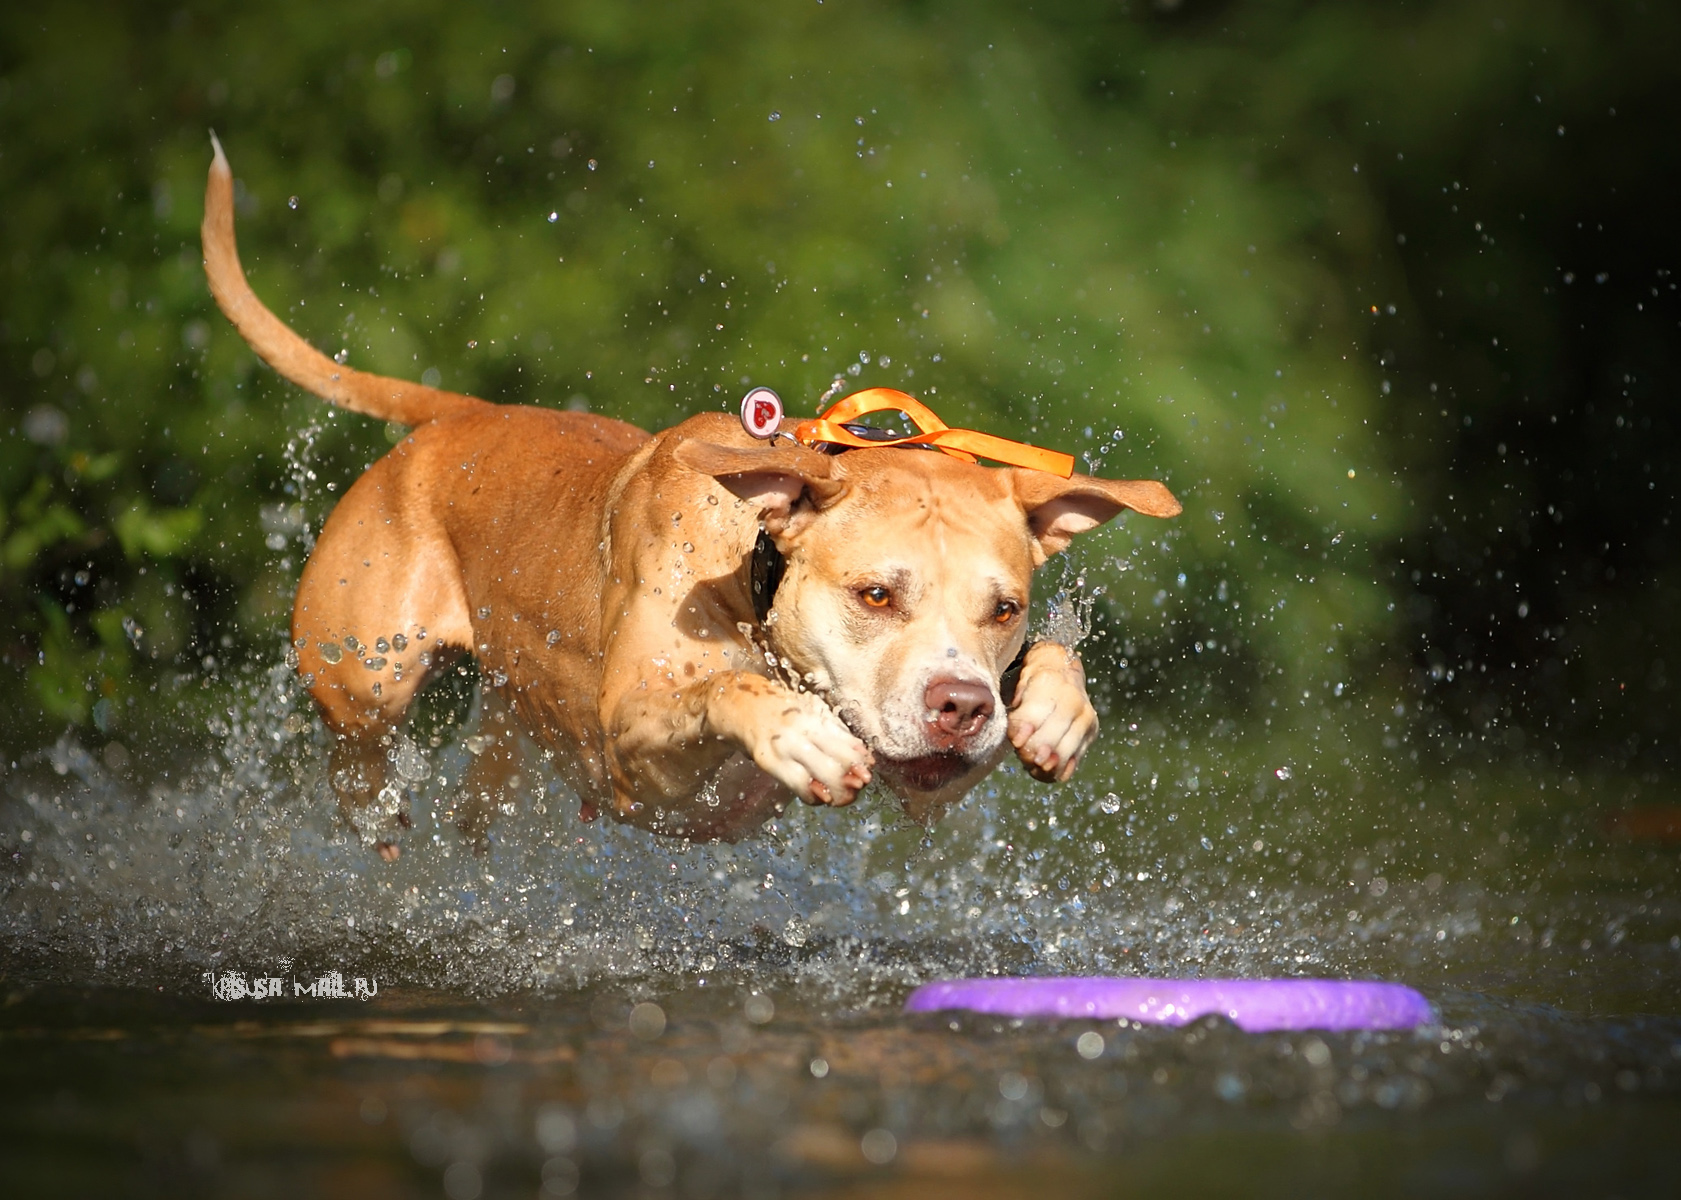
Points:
[(241, 858)]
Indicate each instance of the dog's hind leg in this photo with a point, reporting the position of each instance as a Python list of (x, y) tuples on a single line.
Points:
[(498, 770), (380, 608)]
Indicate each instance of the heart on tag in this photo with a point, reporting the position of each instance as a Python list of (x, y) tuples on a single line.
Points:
[(761, 412)]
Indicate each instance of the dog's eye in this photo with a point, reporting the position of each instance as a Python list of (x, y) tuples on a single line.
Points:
[(876, 596), (1005, 612)]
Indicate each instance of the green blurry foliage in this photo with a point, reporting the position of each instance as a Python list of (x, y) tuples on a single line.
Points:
[(1164, 238), (141, 531)]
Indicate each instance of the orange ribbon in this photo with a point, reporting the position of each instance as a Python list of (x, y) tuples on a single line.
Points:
[(966, 444)]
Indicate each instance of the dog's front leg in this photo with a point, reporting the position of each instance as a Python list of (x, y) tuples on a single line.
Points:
[(1052, 722), (794, 737), (664, 745)]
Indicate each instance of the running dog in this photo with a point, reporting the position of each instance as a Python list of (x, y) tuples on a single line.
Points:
[(604, 578)]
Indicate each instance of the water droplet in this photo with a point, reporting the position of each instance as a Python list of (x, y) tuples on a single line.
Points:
[(776, 116), (759, 1009), (291, 202), (1110, 804), (553, 217), (554, 636), (410, 762), (879, 1146), (331, 652), (376, 663), (647, 1020), (382, 645), (399, 643), (1284, 772), (352, 645)]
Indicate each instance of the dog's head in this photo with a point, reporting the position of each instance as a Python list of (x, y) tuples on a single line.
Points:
[(907, 586)]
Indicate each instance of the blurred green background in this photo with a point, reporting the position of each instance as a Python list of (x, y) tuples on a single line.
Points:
[(1384, 291)]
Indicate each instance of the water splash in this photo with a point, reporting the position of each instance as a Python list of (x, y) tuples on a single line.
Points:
[(241, 858)]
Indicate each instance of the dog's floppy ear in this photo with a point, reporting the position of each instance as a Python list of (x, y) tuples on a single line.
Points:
[(1057, 509), (776, 478)]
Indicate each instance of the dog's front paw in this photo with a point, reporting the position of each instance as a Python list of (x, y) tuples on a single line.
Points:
[(1052, 723), (810, 751)]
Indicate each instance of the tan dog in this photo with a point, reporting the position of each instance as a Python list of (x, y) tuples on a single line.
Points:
[(602, 578)]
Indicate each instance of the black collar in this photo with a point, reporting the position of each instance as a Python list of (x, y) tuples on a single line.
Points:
[(768, 568)]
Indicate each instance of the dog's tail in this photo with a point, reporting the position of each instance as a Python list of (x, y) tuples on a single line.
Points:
[(375, 395)]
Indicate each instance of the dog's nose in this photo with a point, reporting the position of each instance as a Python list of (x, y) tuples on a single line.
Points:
[(958, 707)]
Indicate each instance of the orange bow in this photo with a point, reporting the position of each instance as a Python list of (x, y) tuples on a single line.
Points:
[(967, 444)]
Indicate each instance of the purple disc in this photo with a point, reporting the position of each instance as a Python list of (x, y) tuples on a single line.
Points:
[(1256, 1005)]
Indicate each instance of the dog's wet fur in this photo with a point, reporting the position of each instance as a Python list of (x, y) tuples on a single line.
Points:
[(600, 575)]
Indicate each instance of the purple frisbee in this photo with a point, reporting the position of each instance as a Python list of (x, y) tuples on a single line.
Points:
[(1255, 1005)]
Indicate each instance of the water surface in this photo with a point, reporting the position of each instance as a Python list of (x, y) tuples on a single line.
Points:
[(582, 1007)]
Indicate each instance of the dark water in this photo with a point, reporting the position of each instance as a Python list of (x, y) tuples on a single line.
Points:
[(583, 1008), (123, 1090)]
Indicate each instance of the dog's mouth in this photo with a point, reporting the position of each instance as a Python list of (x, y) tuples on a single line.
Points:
[(923, 773), (927, 773)]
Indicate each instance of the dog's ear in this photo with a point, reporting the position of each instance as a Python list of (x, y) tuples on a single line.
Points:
[(784, 479), (1057, 509)]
